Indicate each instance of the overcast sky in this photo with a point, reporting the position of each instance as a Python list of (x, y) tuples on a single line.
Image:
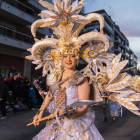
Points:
[(126, 14)]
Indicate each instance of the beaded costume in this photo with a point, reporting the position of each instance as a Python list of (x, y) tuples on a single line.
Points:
[(64, 19)]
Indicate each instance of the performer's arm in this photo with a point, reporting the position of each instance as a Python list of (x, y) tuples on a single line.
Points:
[(46, 102), (83, 93)]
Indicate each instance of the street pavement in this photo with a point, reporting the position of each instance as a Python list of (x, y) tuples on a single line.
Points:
[(124, 128)]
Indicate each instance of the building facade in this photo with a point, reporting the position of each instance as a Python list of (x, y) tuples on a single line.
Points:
[(16, 17), (121, 43)]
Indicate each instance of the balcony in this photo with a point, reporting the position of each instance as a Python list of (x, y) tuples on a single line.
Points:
[(36, 4), (16, 11), (117, 40), (118, 49), (127, 55), (15, 39), (108, 26), (127, 48), (91, 28)]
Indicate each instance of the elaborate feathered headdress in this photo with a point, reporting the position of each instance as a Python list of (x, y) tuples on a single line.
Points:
[(64, 19)]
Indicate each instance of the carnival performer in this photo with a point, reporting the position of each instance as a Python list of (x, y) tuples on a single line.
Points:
[(60, 56), (80, 124)]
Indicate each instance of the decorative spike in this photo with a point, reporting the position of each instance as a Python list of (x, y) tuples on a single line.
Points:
[(30, 49), (99, 45), (30, 57), (69, 10), (74, 16), (36, 40), (63, 6), (46, 5), (102, 31)]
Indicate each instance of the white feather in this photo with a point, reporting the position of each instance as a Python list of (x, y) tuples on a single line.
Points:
[(35, 61), (74, 5)]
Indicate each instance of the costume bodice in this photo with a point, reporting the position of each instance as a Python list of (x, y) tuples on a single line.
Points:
[(71, 96)]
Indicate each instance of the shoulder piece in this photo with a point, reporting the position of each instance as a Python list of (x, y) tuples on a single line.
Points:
[(77, 78), (52, 78)]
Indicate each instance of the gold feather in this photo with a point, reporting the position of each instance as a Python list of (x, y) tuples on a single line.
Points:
[(82, 2), (69, 10), (47, 5), (99, 45), (118, 86), (118, 78), (116, 69), (46, 15), (38, 66), (116, 59), (103, 50), (127, 104), (98, 62), (36, 40), (30, 49), (30, 57), (103, 57), (135, 112)]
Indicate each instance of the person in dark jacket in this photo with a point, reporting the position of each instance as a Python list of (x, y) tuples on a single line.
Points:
[(3, 95), (40, 100), (28, 84), (19, 77), (15, 86), (23, 87)]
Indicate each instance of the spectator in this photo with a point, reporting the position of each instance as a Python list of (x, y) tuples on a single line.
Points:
[(15, 86), (11, 103), (28, 84), (36, 91), (3, 94), (21, 105), (6, 82), (10, 97), (19, 77), (23, 88), (27, 76), (32, 95), (10, 78)]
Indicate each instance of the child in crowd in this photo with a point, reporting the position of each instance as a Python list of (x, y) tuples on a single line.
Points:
[(32, 95), (21, 105), (11, 103)]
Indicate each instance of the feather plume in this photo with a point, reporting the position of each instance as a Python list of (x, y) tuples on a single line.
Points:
[(118, 86), (116, 59), (46, 5)]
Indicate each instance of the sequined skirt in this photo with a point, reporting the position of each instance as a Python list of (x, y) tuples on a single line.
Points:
[(82, 128)]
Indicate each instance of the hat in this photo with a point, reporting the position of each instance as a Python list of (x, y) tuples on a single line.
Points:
[(11, 74)]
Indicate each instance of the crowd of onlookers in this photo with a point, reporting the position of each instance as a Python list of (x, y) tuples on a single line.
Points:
[(18, 93)]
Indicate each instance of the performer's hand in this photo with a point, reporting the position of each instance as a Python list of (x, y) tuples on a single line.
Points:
[(41, 92), (37, 117), (59, 112)]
